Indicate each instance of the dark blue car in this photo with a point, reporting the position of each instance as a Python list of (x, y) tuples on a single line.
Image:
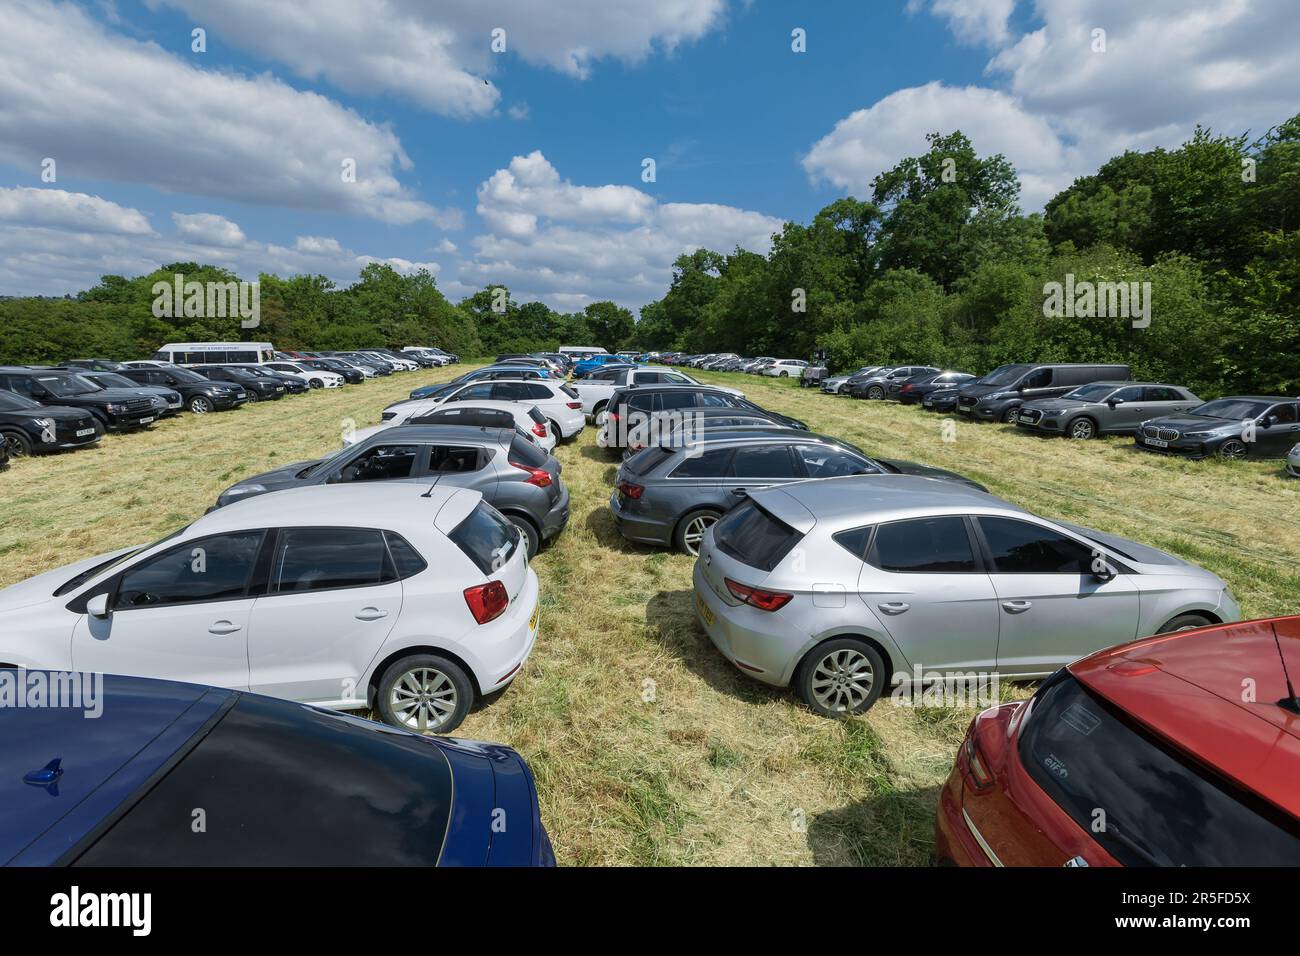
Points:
[(173, 774)]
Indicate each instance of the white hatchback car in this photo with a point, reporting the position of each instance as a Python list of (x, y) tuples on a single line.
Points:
[(561, 405), (528, 419), (409, 601), (313, 377)]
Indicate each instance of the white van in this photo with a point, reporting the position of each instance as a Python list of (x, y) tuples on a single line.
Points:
[(216, 353)]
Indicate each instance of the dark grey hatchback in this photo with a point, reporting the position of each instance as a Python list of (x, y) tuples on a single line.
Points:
[(672, 495)]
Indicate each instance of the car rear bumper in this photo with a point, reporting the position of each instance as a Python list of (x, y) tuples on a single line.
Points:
[(759, 643), (558, 516), (953, 841), (502, 646), (640, 528)]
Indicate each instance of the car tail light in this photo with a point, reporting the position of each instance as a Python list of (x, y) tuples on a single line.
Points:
[(536, 476), (539, 429), (979, 774), (757, 597), (487, 601), (906, 388), (574, 404), (630, 490)]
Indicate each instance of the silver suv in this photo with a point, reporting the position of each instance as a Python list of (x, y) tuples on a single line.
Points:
[(843, 585)]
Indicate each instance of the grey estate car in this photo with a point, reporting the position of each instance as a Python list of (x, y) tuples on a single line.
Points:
[(842, 586), (1105, 408), (672, 495), (513, 475)]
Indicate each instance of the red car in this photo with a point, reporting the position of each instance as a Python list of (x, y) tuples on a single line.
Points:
[(1177, 750)]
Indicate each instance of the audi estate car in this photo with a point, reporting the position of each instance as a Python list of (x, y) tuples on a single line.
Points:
[(708, 419), (1241, 426), (513, 475), (1186, 768), (1105, 408), (27, 426), (281, 785), (412, 601), (643, 413), (669, 496), (841, 585)]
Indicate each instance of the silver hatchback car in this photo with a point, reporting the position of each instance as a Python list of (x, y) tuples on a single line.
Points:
[(842, 585)]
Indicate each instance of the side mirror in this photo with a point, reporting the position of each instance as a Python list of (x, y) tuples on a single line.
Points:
[(1114, 402), (1269, 421), (98, 606), (1103, 573)]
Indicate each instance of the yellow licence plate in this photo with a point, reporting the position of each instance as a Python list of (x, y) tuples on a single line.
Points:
[(532, 621), (705, 611)]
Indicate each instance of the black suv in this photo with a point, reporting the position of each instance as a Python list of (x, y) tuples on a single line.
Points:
[(27, 426), (351, 374), (257, 389), (199, 394), (114, 408), (96, 365), (640, 413)]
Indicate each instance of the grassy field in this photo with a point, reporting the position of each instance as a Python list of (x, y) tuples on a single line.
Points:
[(648, 747)]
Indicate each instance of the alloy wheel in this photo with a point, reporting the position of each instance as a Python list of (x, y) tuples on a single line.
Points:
[(842, 680), (1233, 449), (423, 699), (200, 406), (1081, 429), (693, 536)]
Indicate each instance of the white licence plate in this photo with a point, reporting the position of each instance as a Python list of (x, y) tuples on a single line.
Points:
[(1156, 443), (1027, 419), (83, 432), (173, 404), (146, 421)]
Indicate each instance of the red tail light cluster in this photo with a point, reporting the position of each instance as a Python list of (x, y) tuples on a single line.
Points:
[(976, 769), (630, 490), (757, 597), (539, 429), (536, 476), (574, 404), (906, 388), (487, 602)]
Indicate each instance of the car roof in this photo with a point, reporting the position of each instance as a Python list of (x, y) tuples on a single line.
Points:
[(873, 498), (438, 433), (1256, 398), (386, 504), (761, 433), (1187, 688)]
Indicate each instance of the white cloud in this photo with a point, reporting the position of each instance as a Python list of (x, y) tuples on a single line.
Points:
[(971, 21), (518, 111), (439, 55), (49, 252), (70, 210), (108, 107), (569, 245), (872, 140)]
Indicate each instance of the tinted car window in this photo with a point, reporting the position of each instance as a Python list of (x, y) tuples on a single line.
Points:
[(453, 459), (854, 541), (711, 464), (1232, 409), (1040, 378), (525, 452), (1285, 414), (406, 560), (383, 463), (923, 546), (1161, 393), (285, 785), (481, 391), (669, 401), (1130, 394), (1086, 754), (646, 459), (1018, 547), (486, 538), (317, 559), (765, 461), (534, 392), (206, 569), (714, 400), (755, 537)]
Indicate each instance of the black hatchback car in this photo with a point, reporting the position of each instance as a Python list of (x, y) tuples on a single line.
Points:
[(199, 394), (114, 408), (639, 413), (28, 427), (258, 389), (914, 390), (1241, 426)]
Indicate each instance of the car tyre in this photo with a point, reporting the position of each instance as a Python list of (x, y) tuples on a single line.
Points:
[(840, 677), (1184, 622), (1082, 429), (875, 393), (1011, 414), (532, 540), (315, 383), (1234, 449), (18, 444), (689, 533), (424, 692), (200, 405), (252, 396), (555, 430), (785, 374)]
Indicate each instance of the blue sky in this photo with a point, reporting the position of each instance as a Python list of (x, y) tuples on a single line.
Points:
[(524, 167)]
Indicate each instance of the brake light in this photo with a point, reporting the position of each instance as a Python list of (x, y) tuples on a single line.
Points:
[(757, 597), (906, 388), (574, 404), (630, 490), (539, 429), (488, 601), (536, 476), (978, 773)]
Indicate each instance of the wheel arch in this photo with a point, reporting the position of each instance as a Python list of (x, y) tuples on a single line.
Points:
[(372, 682)]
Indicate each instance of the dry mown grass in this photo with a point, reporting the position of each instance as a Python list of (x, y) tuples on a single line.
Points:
[(716, 769)]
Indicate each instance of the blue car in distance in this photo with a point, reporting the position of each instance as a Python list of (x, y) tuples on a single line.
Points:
[(594, 362), (172, 774)]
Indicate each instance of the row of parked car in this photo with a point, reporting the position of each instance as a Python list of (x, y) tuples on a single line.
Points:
[(1083, 401)]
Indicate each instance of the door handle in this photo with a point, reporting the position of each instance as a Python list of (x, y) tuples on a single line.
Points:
[(223, 627), (1017, 607), (370, 614), (739, 492), (894, 607)]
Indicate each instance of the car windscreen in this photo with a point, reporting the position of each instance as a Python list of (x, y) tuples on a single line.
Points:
[(754, 536), (286, 785), (486, 538), (66, 386), (113, 380), (1089, 756), (184, 375), (1233, 409), (13, 402), (78, 580), (1004, 374)]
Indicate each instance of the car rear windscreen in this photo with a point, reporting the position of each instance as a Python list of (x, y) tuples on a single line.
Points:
[(1161, 808), (524, 452), (285, 785), (647, 460), (754, 536), (486, 538)]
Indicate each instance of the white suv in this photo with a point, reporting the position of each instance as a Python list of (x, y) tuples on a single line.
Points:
[(311, 376), (409, 601), (561, 405), (786, 368)]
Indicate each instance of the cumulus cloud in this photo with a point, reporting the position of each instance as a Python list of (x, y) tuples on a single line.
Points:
[(971, 21), (57, 207), (108, 107), (439, 55), (208, 228)]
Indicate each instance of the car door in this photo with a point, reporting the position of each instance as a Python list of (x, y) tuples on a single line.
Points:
[(1282, 434), (699, 481), (331, 599), (179, 615), (465, 466), (1131, 409), (1053, 609), (924, 581), (1161, 400), (759, 466)]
